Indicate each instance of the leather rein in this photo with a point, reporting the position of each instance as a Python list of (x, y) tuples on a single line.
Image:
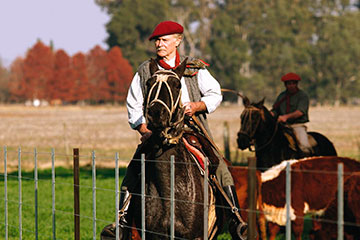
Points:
[(248, 112), (161, 78)]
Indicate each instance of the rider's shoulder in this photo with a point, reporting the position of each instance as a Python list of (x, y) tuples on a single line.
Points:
[(144, 65), (193, 65), (303, 94)]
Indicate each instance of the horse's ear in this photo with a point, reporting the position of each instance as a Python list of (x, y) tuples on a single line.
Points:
[(181, 68), (153, 66), (261, 103), (246, 101)]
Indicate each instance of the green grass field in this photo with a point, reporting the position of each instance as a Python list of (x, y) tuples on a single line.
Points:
[(64, 204), (105, 203)]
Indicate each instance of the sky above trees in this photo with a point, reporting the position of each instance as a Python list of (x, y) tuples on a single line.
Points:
[(71, 25)]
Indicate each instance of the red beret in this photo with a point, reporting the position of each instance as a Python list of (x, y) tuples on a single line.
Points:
[(290, 77), (166, 28)]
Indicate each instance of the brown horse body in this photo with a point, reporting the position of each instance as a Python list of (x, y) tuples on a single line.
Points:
[(273, 141), (165, 118)]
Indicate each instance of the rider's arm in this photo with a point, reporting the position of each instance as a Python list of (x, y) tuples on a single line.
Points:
[(134, 103), (210, 90), (293, 115), (301, 109)]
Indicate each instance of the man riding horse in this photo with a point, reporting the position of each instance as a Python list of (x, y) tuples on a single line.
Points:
[(201, 94), (291, 107)]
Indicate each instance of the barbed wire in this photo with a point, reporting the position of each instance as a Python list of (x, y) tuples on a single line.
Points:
[(29, 203)]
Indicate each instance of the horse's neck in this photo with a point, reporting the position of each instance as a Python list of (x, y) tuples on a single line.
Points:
[(265, 131)]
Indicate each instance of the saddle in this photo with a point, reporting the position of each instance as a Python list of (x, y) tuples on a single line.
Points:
[(293, 141), (201, 148)]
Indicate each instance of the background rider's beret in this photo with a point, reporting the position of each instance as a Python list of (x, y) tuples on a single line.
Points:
[(290, 77), (166, 28)]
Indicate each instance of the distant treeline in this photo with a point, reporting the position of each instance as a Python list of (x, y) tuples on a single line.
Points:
[(250, 44), (54, 77)]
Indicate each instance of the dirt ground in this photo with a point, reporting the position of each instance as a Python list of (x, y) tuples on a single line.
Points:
[(105, 130)]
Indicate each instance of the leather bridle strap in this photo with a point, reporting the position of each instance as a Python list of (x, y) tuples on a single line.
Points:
[(199, 124), (161, 78)]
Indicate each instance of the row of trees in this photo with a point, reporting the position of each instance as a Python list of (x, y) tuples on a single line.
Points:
[(250, 44), (97, 77)]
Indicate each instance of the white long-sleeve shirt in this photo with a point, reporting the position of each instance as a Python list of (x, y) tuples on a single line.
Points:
[(208, 85)]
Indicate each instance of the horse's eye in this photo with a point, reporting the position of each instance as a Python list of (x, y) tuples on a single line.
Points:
[(176, 83)]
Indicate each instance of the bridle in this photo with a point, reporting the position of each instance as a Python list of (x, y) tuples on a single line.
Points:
[(248, 112), (162, 78)]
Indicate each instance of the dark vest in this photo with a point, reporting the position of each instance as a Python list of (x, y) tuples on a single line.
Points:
[(191, 81)]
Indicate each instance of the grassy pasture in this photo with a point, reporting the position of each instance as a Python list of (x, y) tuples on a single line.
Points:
[(105, 130)]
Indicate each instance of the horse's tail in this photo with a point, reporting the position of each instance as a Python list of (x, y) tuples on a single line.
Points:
[(324, 145)]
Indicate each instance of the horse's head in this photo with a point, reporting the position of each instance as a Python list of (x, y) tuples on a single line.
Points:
[(163, 109), (251, 117)]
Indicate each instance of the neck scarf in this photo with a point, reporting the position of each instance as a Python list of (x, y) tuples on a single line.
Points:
[(287, 98), (166, 66)]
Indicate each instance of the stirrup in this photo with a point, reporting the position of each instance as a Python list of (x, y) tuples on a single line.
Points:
[(243, 231), (122, 219)]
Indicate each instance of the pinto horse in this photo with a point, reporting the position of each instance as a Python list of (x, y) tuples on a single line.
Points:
[(274, 142), (164, 113)]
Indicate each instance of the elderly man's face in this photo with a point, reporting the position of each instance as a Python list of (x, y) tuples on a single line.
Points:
[(166, 45)]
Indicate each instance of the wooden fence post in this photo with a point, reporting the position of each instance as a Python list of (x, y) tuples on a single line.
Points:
[(226, 141), (252, 197)]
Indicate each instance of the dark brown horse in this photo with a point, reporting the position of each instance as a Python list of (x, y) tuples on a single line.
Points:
[(165, 118), (274, 142)]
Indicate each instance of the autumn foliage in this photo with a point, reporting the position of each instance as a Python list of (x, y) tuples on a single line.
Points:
[(97, 77)]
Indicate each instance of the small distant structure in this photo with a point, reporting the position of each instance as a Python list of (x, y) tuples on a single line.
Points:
[(36, 103)]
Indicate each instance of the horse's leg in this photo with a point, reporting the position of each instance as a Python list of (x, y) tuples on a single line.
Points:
[(273, 230)]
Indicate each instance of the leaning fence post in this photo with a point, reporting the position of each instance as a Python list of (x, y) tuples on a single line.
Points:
[(5, 194), (76, 194), (20, 194), (340, 197), (288, 201), (36, 194)]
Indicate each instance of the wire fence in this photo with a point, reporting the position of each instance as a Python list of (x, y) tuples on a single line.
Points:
[(62, 204)]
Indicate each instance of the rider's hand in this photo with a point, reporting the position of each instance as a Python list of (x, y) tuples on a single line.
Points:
[(144, 131), (282, 118), (145, 136), (192, 107)]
